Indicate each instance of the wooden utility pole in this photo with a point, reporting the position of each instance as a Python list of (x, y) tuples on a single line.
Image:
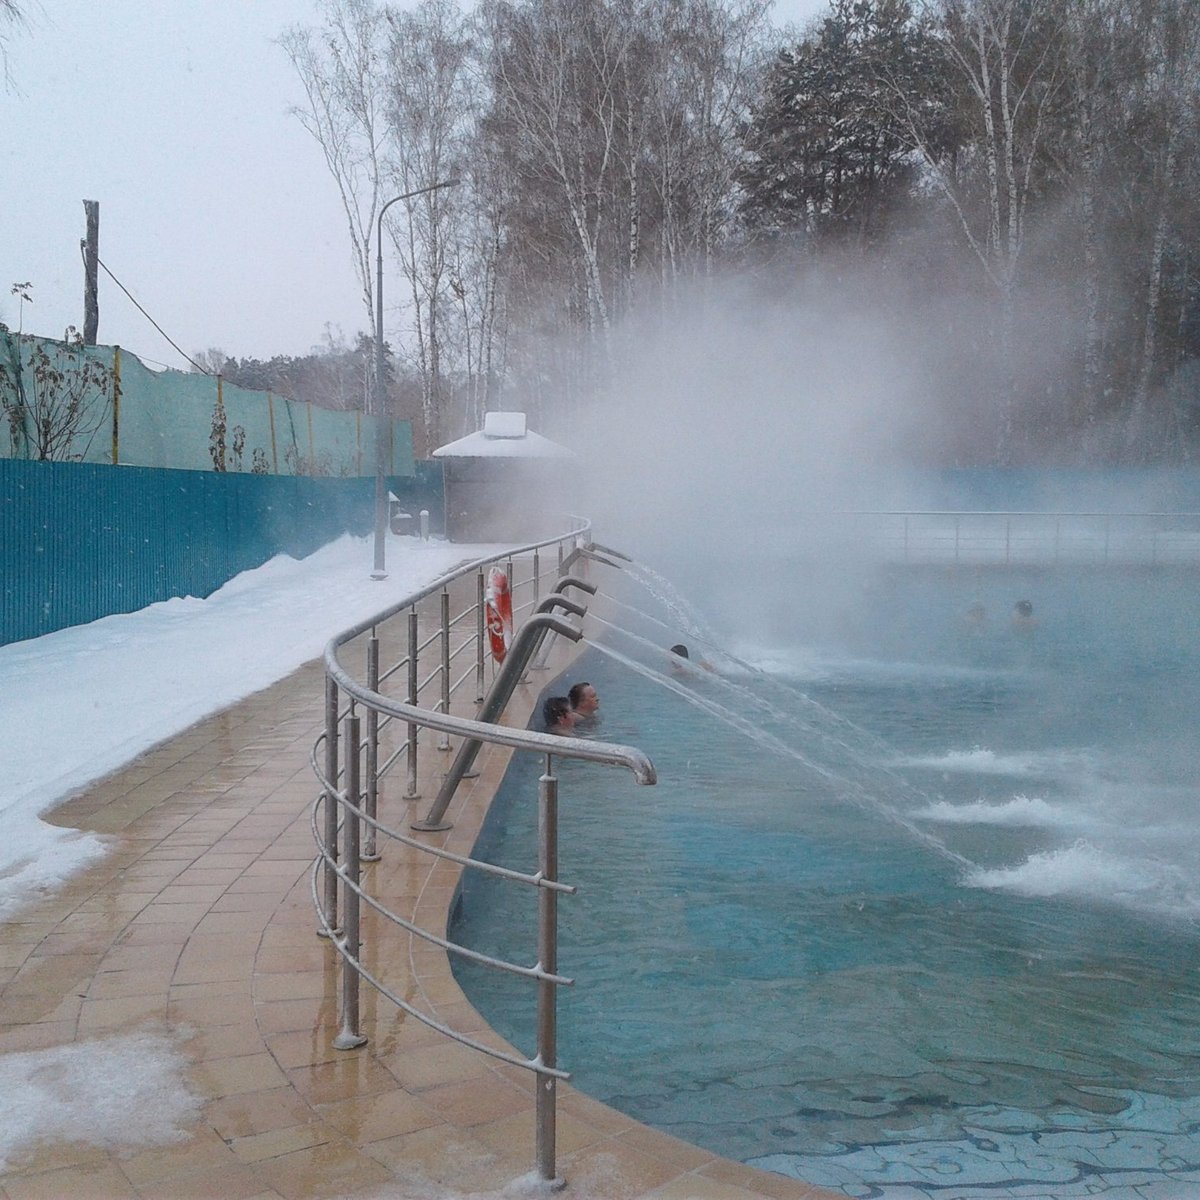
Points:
[(91, 258)]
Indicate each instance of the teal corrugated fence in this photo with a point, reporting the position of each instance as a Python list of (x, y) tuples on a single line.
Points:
[(80, 541)]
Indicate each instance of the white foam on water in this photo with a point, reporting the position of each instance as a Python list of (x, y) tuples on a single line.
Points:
[(121, 1092), (979, 760), (1020, 811), (797, 665), (1084, 871), (800, 664)]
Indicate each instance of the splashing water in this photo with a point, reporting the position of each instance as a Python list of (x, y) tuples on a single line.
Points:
[(848, 789), (674, 601)]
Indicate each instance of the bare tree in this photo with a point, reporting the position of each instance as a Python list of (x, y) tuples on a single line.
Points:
[(1092, 29), (212, 361), (696, 83), (556, 73), (478, 258), (12, 18), (1005, 75), (429, 109), (719, 56), (341, 68), (1172, 100)]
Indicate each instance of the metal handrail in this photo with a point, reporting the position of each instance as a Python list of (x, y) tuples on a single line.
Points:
[(348, 803)]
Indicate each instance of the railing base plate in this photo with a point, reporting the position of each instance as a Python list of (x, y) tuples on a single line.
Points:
[(349, 1041), (431, 826)]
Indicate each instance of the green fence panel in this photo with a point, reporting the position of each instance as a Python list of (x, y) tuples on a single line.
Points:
[(291, 434), (335, 442), (165, 418), (80, 541), (187, 421), (247, 429)]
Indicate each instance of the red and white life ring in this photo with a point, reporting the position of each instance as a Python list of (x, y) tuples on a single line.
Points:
[(498, 615)]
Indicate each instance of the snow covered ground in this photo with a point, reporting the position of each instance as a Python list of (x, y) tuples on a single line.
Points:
[(77, 704)]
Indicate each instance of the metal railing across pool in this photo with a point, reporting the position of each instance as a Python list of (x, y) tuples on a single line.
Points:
[(1104, 539), (349, 762)]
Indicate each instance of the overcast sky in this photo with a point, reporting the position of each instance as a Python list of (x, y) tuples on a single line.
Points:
[(216, 209)]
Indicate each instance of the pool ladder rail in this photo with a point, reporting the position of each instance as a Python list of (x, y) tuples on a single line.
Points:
[(346, 760)]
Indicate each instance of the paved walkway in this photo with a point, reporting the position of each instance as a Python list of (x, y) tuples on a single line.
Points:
[(200, 923)]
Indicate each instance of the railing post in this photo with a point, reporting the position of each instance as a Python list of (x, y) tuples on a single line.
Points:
[(329, 908), (480, 596), (349, 1036), (369, 852), (444, 738), (414, 633), (547, 1031), (560, 557), (536, 580)]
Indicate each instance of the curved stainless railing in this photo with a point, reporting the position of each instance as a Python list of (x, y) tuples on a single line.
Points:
[(345, 819)]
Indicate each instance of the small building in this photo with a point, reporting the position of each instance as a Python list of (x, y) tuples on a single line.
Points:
[(505, 483)]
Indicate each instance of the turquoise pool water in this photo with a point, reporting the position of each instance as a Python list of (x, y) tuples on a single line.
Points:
[(914, 910)]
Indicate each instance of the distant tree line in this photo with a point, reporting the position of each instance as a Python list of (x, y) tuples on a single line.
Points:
[(1018, 180)]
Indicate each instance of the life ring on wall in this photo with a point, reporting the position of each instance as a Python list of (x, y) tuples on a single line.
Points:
[(497, 613)]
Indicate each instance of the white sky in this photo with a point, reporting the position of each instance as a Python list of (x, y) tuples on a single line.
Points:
[(216, 209), (90, 698)]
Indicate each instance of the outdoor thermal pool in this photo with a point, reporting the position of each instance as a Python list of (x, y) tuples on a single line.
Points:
[(913, 911)]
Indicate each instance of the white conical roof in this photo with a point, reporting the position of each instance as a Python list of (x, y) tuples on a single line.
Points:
[(504, 435)]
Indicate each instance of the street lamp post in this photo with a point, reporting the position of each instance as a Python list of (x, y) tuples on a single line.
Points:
[(382, 446)]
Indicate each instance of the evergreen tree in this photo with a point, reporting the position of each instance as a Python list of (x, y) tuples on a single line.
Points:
[(827, 156)]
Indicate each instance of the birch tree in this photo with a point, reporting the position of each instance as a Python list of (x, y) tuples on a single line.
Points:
[(719, 55), (556, 68), (1171, 98), (341, 67), (1097, 76), (477, 282), (429, 107), (1006, 77)]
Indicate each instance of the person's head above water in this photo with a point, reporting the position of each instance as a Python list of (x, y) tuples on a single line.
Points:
[(583, 699), (680, 649), (1023, 620), (557, 715)]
